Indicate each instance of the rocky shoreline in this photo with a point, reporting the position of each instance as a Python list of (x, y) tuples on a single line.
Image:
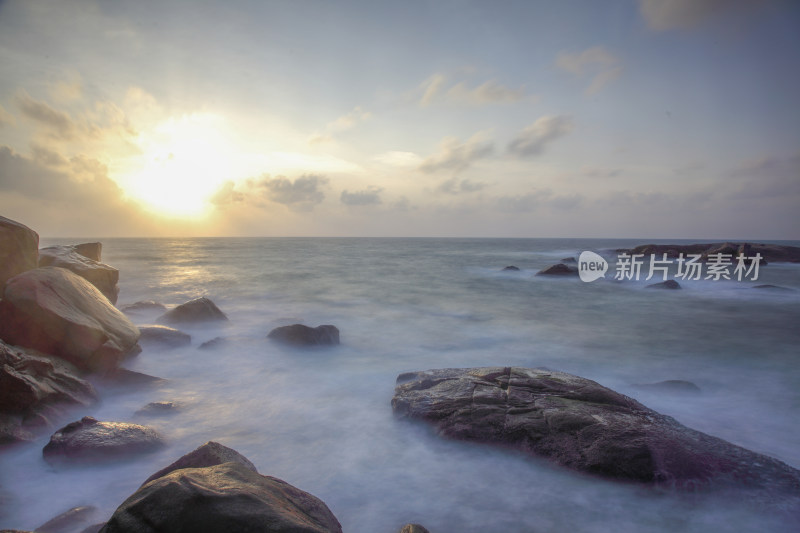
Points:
[(60, 331)]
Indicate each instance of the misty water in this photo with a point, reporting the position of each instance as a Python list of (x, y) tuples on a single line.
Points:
[(321, 419)]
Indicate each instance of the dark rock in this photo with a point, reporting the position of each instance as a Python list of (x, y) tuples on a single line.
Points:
[(163, 337), (772, 287), (669, 284), (33, 387), (209, 454), (123, 377), (413, 528), (301, 335), (197, 310), (89, 439), (569, 260), (559, 269), (777, 253), (57, 312), (157, 408), (69, 521), (678, 386), (94, 528), (582, 425), (19, 249), (102, 276), (214, 344), (511, 268), (143, 306), (226, 496)]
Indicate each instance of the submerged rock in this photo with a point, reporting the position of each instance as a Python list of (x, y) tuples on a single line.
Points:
[(582, 425), (158, 408), (102, 276), (559, 269), (91, 440), (19, 249), (678, 386), (301, 335), (215, 343), (69, 521), (34, 386), (413, 528), (197, 310), (57, 312), (214, 489), (511, 268), (769, 287), (669, 284), (163, 337), (143, 306)]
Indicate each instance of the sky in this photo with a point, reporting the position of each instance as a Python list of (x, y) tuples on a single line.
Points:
[(622, 118)]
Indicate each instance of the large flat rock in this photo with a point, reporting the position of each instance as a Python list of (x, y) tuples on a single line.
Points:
[(19, 249), (89, 440), (79, 259)]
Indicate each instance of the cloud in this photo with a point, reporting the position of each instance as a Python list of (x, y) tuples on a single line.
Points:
[(661, 15), (67, 90), (227, 195), (490, 92), (598, 172), (346, 122), (534, 200), (533, 139), (456, 186), (456, 155), (370, 196), (44, 156), (5, 117), (302, 194), (598, 62), (766, 177), (399, 159), (59, 124)]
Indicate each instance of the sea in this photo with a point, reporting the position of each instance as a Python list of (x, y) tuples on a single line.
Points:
[(321, 419)]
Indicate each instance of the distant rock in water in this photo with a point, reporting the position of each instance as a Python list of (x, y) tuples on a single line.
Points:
[(102, 276), (772, 288), (92, 440), (559, 269), (34, 386), (214, 344), (511, 268), (163, 337), (55, 311), (413, 528), (143, 306), (582, 425), (675, 386), (770, 253), (669, 284), (214, 489), (69, 521), (569, 260), (301, 335), (197, 310), (158, 408), (19, 249), (124, 378)]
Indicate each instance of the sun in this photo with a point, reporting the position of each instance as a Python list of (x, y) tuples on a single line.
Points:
[(184, 161)]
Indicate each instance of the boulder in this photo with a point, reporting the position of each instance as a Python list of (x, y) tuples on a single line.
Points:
[(582, 425), (197, 310), (670, 284), (769, 287), (57, 312), (69, 521), (301, 335), (143, 306), (214, 344), (511, 268), (100, 275), (91, 440), (413, 528), (33, 387), (158, 408), (163, 337), (559, 269), (226, 495), (19, 249), (672, 386)]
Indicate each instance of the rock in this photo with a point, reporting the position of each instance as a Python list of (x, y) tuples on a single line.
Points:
[(301, 335), (122, 377), (57, 312), (100, 275), (772, 287), (580, 424), (68, 521), (94, 528), (214, 344), (92, 250), (209, 454), (91, 440), (33, 387), (163, 337), (511, 268), (559, 269), (157, 408), (669, 284), (413, 528), (678, 386), (569, 260), (143, 306), (197, 310), (769, 252), (19, 249), (227, 496)]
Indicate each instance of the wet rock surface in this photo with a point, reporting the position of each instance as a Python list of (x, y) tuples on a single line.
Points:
[(102, 276), (302, 335), (193, 311), (670, 284), (90, 440), (559, 269), (19, 249), (163, 337)]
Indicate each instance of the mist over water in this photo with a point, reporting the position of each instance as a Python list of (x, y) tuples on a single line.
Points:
[(321, 419)]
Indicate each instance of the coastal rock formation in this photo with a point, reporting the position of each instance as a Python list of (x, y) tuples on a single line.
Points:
[(57, 312), (770, 253), (163, 337), (19, 249), (559, 269), (91, 440), (582, 425), (670, 284), (158, 408), (413, 528), (100, 275), (143, 306), (197, 310), (511, 268), (32, 388), (216, 489), (301, 335)]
